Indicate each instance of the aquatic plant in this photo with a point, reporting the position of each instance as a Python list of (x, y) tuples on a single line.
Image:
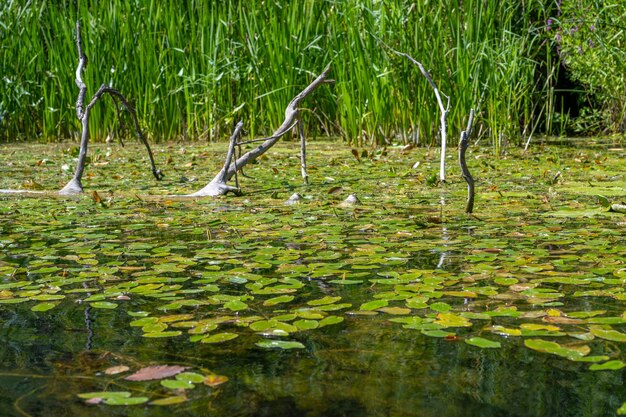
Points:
[(197, 67)]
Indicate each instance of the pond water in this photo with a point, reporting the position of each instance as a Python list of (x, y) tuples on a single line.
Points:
[(399, 306)]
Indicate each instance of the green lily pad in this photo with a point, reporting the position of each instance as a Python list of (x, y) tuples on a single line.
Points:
[(482, 343), (607, 366), (190, 377), (556, 349), (175, 399), (177, 384), (373, 305), (612, 335), (279, 344), (126, 401), (306, 324), (163, 334), (236, 305), (437, 333), (105, 394), (330, 320), (324, 301), (440, 307), (278, 300), (43, 307), (104, 304), (219, 338)]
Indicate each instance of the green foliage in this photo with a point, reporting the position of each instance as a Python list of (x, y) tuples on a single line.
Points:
[(592, 44), (194, 68)]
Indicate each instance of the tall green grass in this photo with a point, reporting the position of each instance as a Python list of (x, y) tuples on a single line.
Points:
[(194, 68)]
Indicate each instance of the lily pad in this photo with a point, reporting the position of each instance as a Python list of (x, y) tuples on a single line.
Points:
[(607, 366), (43, 307), (219, 338), (482, 343), (373, 305), (126, 401), (279, 344), (175, 399), (177, 384)]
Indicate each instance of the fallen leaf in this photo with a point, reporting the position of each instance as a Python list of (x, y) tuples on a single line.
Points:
[(114, 370), (155, 372), (215, 380), (93, 401), (562, 320)]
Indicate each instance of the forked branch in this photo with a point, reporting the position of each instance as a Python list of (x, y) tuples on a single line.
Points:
[(82, 112), (218, 185), (444, 110)]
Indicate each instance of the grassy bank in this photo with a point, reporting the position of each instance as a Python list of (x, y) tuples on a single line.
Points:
[(193, 68)]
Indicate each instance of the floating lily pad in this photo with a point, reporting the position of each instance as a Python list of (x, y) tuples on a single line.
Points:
[(163, 334), (126, 401), (43, 307), (280, 344), (175, 399), (607, 366), (104, 304), (278, 300), (177, 384), (191, 377), (219, 338), (482, 343), (373, 305), (105, 394)]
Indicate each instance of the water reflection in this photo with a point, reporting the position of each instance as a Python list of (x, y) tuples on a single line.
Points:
[(365, 368)]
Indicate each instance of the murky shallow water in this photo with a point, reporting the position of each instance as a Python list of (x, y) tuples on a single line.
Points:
[(543, 253)]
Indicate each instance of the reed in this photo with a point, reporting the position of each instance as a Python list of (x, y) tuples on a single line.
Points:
[(194, 68)]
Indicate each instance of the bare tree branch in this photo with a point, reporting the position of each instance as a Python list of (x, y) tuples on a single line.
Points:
[(82, 112), (218, 186), (467, 176), (443, 109), (305, 176)]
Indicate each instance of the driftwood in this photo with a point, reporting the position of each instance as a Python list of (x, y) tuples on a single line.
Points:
[(443, 109), (82, 112), (219, 186), (467, 176)]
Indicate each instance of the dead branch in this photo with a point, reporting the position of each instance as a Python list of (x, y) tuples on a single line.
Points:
[(444, 110), (82, 112), (463, 144), (305, 176), (218, 185)]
